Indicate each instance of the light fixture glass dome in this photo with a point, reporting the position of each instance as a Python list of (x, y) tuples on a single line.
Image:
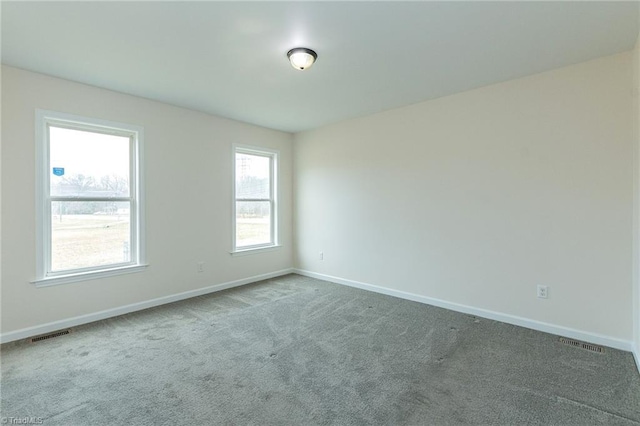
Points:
[(301, 58)]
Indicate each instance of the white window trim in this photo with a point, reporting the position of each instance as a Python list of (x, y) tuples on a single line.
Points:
[(44, 278), (274, 185)]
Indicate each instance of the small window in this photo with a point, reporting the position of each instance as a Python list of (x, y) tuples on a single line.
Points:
[(89, 197), (255, 207)]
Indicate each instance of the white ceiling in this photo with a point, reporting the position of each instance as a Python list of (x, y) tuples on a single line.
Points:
[(229, 58)]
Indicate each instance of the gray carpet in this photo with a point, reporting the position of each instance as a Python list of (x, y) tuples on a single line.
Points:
[(299, 351)]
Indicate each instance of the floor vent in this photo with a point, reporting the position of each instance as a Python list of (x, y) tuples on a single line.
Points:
[(582, 345), (50, 335)]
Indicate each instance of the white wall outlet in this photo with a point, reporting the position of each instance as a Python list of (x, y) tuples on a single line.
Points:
[(321, 255), (200, 267), (543, 292)]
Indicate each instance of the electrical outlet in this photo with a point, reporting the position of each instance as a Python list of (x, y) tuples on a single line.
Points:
[(200, 267), (321, 256), (543, 292)]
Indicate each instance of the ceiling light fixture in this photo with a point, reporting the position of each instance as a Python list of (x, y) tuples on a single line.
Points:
[(301, 58)]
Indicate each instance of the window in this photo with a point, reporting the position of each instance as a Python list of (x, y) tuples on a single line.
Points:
[(89, 203), (255, 207)]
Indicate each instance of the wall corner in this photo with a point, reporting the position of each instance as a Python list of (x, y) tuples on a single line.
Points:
[(636, 197)]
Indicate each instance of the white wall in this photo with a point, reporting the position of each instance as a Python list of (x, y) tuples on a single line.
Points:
[(636, 203), (188, 200), (0, 197), (477, 198)]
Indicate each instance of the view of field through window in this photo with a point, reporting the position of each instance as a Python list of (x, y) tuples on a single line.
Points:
[(253, 200), (86, 240), (89, 177)]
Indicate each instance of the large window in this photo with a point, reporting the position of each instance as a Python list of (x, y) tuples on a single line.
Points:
[(255, 208), (88, 198)]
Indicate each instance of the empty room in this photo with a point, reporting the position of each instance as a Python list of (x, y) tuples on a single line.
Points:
[(320, 213)]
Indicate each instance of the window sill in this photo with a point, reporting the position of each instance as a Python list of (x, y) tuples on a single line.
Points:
[(244, 252), (85, 276)]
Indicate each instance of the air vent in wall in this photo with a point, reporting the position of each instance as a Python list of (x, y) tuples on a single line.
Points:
[(50, 335), (582, 345)]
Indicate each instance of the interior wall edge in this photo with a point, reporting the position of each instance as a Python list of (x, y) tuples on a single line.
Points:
[(598, 339), (134, 307), (636, 198)]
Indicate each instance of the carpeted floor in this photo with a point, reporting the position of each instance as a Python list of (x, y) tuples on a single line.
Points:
[(298, 351)]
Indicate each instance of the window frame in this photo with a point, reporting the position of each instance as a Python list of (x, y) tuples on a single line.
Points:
[(273, 156), (44, 275)]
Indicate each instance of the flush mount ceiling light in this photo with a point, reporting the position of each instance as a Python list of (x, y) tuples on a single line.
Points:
[(301, 58)]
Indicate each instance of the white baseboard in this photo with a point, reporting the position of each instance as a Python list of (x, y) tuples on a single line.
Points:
[(109, 313), (585, 336), (636, 355)]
